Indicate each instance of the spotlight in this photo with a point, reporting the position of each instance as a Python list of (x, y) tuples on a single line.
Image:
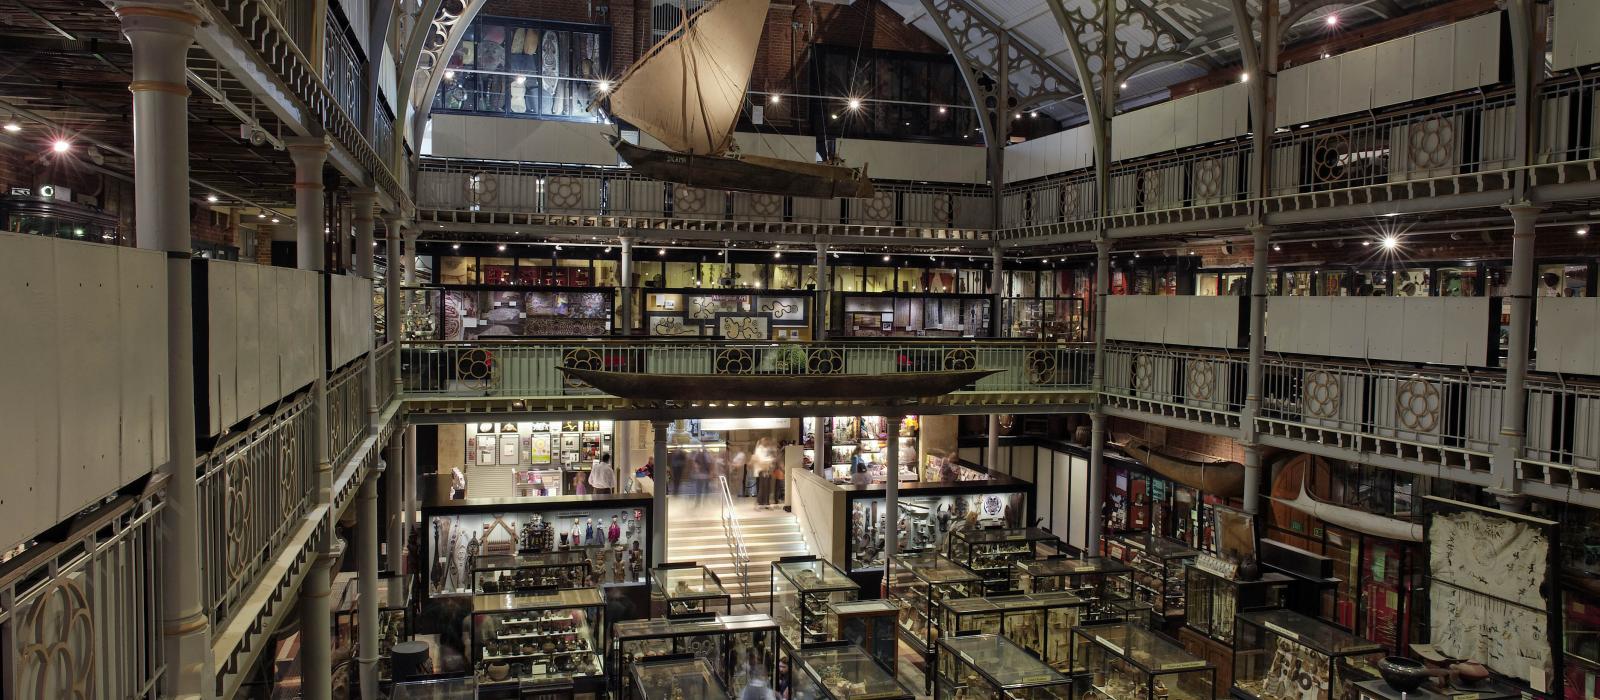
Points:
[(449, 75), (501, 248), (13, 127), (1333, 20), (886, 258), (1018, 116), (261, 215), (1244, 77), (1366, 243), (1325, 55), (1390, 243), (1033, 115), (1124, 86), (1276, 248), (1136, 253), (941, 111), (604, 86), (455, 246), (274, 219), (211, 198), (777, 254), (855, 103), (773, 99), (61, 146), (661, 251), (834, 116), (1583, 230)]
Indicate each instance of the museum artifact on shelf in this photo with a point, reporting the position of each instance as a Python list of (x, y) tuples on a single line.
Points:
[(993, 666), (929, 512), (725, 642), (1087, 578), (869, 624), (1157, 570), (994, 552), (436, 689), (1486, 690), (919, 583), (1039, 622), (690, 588), (1126, 661), (1214, 597), (1279, 654), (675, 678), (517, 573), (802, 588), (841, 671), (539, 637)]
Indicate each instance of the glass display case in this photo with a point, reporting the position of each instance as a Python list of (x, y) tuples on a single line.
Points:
[(1039, 622), (1487, 690), (436, 689), (918, 584), (869, 624), (690, 588), (680, 678), (993, 553), (538, 637), (929, 512), (1086, 578), (1157, 571), (1214, 599), (802, 588), (841, 671), (516, 573), (732, 645), (990, 666), (1281, 655), (1126, 661)]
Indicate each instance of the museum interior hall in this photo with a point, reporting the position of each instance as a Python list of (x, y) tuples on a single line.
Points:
[(800, 349)]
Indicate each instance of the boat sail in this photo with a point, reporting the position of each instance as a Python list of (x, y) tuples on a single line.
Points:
[(687, 92)]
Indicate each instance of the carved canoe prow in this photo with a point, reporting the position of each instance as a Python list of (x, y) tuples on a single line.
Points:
[(1219, 478), (1296, 471), (777, 387)]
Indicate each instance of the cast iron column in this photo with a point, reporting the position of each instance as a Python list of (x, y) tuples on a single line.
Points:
[(820, 306), (658, 495), (361, 203), (394, 322), (625, 281), (1513, 410), (991, 454), (891, 493), (1097, 419), (819, 448), (394, 519), (408, 478), (367, 585), (160, 35), (409, 256), (997, 287), (1261, 236)]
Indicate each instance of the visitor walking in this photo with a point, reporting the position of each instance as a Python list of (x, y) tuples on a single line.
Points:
[(601, 476)]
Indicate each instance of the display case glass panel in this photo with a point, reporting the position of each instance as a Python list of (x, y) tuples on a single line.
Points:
[(518, 573), (1281, 655), (993, 552), (801, 592), (993, 666), (1085, 578), (675, 679), (611, 539), (918, 584), (1126, 661), (1039, 622), (1157, 571), (1213, 600), (869, 624), (841, 672), (734, 646), (552, 636), (436, 689), (928, 520), (690, 589)]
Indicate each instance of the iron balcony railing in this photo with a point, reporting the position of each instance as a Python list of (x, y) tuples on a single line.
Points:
[(533, 368), (383, 362), (347, 409)]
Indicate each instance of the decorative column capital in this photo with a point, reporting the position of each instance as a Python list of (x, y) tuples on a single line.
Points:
[(363, 201), (309, 155), (1524, 212), (1102, 246)]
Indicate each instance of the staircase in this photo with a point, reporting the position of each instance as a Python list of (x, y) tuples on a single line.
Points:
[(767, 535)]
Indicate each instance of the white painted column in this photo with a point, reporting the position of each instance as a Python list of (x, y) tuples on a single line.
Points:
[(409, 256), (160, 34), (658, 510), (394, 319), (367, 586), (625, 280), (394, 521), (1262, 240), (819, 447), (1097, 419), (891, 495), (1513, 411), (824, 277), (991, 455)]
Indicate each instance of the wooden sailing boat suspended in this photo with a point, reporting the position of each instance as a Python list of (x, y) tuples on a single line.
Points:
[(687, 92)]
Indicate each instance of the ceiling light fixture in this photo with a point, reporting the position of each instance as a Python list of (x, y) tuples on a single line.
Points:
[(274, 219), (1034, 115), (502, 248), (261, 215), (855, 103), (835, 116), (604, 86), (61, 146), (455, 246), (13, 127), (886, 258), (660, 252), (1276, 248), (941, 110), (1124, 86), (449, 75), (773, 99), (211, 198), (1366, 243), (1390, 242), (1583, 230), (1333, 20), (1244, 77)]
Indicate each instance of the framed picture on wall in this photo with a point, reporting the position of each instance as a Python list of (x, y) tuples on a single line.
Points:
[(569, 443), (539, 448), (508, 427), (508, 449), (488, 449)]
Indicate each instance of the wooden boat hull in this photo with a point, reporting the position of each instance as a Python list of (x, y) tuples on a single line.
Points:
[(777, 387), (764, 175), (1215, 478), (1293, 474)]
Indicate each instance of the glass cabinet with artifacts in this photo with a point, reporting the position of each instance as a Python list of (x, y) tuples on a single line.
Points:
[(676, 678), (690, 588), (731, 645), (1281, 655), (1125, 661), (841, 671), (1214, 598), (1039, 622), (869, 624), (919, 584), (993, 553), (1087, 578), (1157, 571), (802, 588), (517, 573), (993, 666), (539, 637)]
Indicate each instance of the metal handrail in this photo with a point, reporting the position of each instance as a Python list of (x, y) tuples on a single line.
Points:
[(735, 538)]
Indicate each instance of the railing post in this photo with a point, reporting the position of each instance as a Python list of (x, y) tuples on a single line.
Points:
[(160, 35), (1513, 410), (1261, 239), (658, 494)]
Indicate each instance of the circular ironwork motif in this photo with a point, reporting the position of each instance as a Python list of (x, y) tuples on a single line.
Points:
[(563, 192), (1151, 186), (1322, 395), (824, 361), (1042, 366), (1329, 158), (941, 209), (766, 205), (237, 513), (959, 359), (473, 364), (880, 207), (735, 361), (56, 645), (1417, 404), (581, 358), (1202, 377), (1431, 143), (482, 188), (688, 200), (1071, 203), (1143, 373), (288, 467), (1207, 178)]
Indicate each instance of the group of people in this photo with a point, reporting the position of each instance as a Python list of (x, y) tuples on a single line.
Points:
[(691, 472)]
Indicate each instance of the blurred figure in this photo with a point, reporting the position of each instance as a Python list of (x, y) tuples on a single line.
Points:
[(737, 471)]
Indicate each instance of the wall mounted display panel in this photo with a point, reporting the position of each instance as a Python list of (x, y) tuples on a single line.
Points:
[(1292, 88), (1322, 95), (1433, 53), (916, 161), (1357, 80), (1575, 41), (142, 352), (1565, 339), (89, 330), (30, 415), (1477, 55), (1394, 71)]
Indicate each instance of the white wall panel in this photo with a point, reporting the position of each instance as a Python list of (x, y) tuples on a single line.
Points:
[(1576, 42), (1208, 116), (1322, 89), (1565, 339), (1186, 121), (1394, 71), (143, 352), (30, 415), (1356, 80), (247, 343), (1235, 110), (222, 337), (1349, 316), (1421, 337), (268, 367), (1433, 53), (298, 295), (1477, 57), (89, 334), (890, 160), (1292, 85)]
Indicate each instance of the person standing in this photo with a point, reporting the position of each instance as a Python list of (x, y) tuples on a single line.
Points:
[(762, 463), (601, 476)]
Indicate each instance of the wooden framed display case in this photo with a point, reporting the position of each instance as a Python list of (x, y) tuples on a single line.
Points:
[(724, 642), (1214, 599), (993, 553), (994, 666), (918, 584), (1039, 622), (802, 589), (552, 636), (1126, 661), (1085, 578), (1487, 690), (1277, 653), (675, 678), (1157, 571), (841, 671), (869, 624), (517, 573), (690, 588)]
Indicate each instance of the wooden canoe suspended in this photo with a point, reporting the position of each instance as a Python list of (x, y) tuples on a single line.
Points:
[(1291, 491), (1220, 478)]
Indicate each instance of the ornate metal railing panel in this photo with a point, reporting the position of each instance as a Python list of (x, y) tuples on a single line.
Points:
[(81, 617), (1563, 436), (1565, 105), (342, 69), (1197, 385), (383, 361), (533, 368), (347, 409), (252, 491)]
